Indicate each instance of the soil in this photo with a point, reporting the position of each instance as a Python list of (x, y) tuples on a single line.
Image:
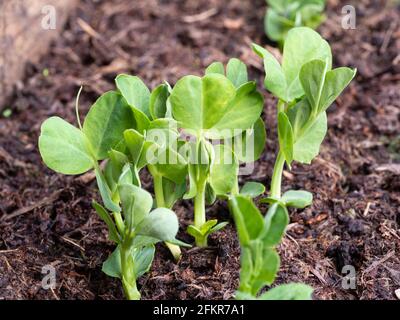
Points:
[(46, 218)]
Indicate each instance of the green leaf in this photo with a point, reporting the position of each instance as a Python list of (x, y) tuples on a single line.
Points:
[(241, 113), (248, 219), (290, 291), (285, 134), (206, 227), (134, 142), (112, 266), (276, 221), (312, 77), (224, 170), (215, 67), (105, 123), (275, 80), (63, 147), (194, 232), (105, 192), (335, 82), (142, 260), (191, 193), (135, 92), (251, 145), (210, 195), (275, 26), (321, 86), (161, 224), (252, 189), (246, 268), (199, 103), (297, 198), (172, 191), (136, 204), (117, 160), (218, 227), (302, 45), (270, 200), (127, 175), (142, 241), (158, 101), (236, 71), (309, 141), (171, 165), (266, 274), (103, 214)]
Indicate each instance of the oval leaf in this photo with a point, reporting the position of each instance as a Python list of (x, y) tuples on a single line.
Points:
[(63, 147), (106, 122), (161, 224)]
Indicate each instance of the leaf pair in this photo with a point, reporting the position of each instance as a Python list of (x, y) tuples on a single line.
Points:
[(307, 86), (145, 106), (258, 237), (68, 150), (217, 106)]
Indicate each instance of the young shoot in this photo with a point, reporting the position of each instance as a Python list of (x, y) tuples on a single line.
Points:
[(305, 85), (218, 106), (69, 150), (259, 260)]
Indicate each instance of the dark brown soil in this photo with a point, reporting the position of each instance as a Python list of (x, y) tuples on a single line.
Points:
[(46, 218)]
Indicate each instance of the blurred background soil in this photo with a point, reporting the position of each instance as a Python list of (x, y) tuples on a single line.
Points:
[(46, 218)]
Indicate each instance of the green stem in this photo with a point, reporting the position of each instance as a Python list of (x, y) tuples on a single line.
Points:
[(128, 276), (119, 222), (159, 191), (199, 206), (277, 176), (160, 200), (280, 106)]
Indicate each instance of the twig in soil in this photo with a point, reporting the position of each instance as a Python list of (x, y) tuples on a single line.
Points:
[(73, 243), (318, 275), (27, 209), (388, 36), (88, 29), (367, 209), (391, 167), (375, 264), (201, 16), (391, 231), (8, 251)]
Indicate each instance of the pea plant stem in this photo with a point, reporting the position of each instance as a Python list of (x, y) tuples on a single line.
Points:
[(200, 212), (277, 176), (128, 277), (159, 191), (160, 200)]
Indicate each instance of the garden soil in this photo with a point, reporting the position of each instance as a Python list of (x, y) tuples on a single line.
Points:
[(47, 218)]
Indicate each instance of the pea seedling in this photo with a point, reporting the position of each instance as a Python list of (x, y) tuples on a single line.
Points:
[(209, 108), (259, 260), (283, 15), (69, 150), (154, 143), (305, 85)]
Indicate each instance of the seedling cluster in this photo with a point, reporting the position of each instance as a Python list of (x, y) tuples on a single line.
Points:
[(193, 138)]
